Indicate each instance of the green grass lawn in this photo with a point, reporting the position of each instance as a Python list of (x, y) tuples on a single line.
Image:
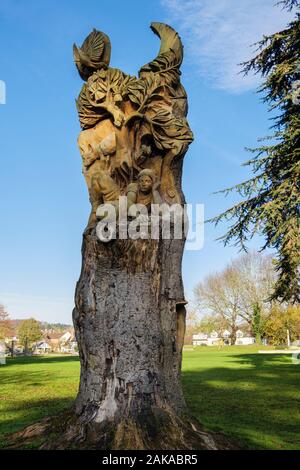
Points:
[(253, 398)]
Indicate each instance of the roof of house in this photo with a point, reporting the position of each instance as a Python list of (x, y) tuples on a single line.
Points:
[(43, 345), (54, 335)]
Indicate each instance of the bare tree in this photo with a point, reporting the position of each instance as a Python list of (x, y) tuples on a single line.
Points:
[(240, 292), (211, 323), (219, 294), (256, 276)]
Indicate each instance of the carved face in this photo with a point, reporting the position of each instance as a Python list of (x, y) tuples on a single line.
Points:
[(145, 183)]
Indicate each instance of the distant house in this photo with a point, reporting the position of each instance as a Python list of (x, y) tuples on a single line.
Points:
[(63, 343), (42, 348), (241, 339), (214, 338), (68, 342), (200, 339), (226, 334), (206, 340), (53, 340), (66, 337), (70, 348)]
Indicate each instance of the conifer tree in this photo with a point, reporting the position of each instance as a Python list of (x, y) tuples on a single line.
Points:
[(271, 198)]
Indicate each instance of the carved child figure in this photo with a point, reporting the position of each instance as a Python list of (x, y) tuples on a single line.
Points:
[(145, 190)]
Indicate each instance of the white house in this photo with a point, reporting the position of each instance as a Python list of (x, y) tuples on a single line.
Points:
[(68, 343), (42, 348), (70, 348), (200, 339), (243, 340), (215, 339), (207, 340)]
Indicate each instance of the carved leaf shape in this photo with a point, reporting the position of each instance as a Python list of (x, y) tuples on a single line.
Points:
[(163, 116), (96, 84), (135, 90), (115, 78), (136, 97)]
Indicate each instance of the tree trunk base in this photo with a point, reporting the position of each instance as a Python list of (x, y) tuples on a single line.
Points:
[(157, 430), (129, 319)]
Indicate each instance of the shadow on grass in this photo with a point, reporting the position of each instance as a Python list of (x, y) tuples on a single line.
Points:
[(29, 394), (264, 360), (258, 404), (21, 415), (253, 398), (32, 378), (10, 361)]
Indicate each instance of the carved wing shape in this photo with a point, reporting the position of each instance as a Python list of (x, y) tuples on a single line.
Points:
[(93, 46), (170, 54), (93, 55)]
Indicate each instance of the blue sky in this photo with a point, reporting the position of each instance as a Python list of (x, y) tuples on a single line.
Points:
[(43, 199)]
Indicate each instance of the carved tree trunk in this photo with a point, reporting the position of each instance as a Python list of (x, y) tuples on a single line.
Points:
[(129, 314), (129, 321)]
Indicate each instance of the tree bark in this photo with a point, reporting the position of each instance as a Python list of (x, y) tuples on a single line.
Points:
[(233, 336), (129, 320)]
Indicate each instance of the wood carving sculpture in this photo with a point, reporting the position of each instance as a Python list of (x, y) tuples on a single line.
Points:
[(129, 314)]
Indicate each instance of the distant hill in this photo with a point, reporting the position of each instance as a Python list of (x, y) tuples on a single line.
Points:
[(55, 326), (44, 325)]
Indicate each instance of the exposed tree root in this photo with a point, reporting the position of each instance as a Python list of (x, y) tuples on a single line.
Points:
[(158, 430)]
